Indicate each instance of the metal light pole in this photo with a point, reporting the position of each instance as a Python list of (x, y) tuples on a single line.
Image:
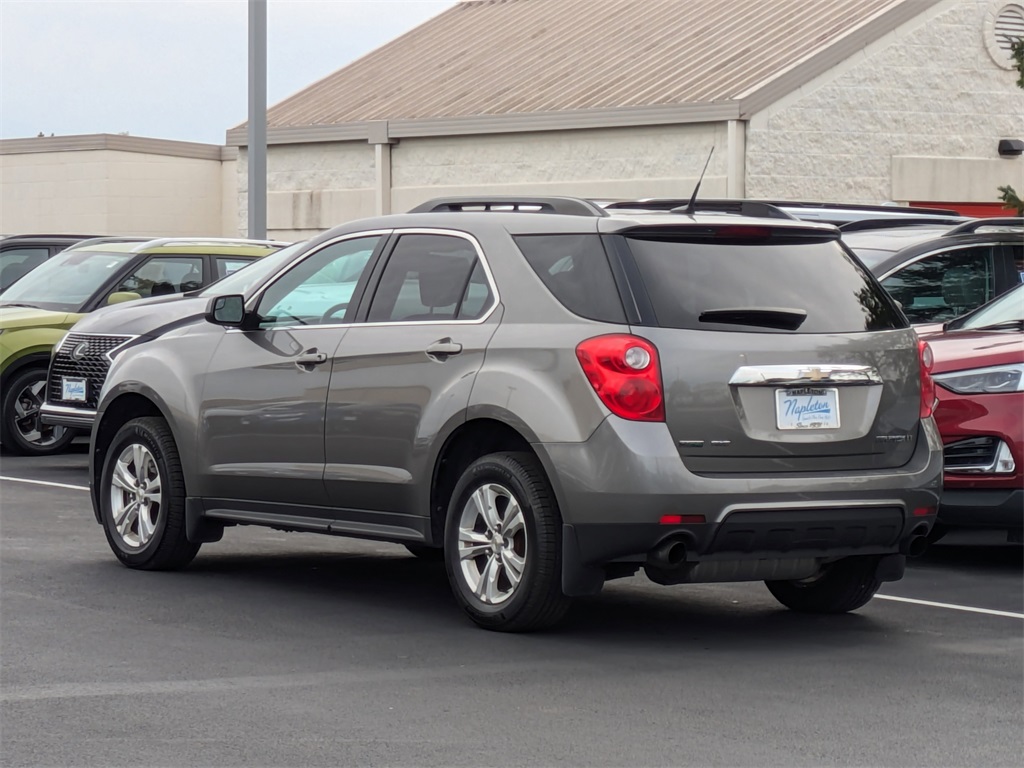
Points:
[(257, 128)]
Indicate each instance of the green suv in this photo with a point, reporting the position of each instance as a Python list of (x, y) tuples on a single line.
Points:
[(36, 312)]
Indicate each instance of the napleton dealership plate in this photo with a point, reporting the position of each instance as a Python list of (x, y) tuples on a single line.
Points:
[(807, 408)]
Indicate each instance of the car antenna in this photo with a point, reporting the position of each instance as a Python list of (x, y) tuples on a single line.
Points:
[(688, 210)]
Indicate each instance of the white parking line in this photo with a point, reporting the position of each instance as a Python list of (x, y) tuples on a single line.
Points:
[(44, 482), (929, 603), (950, 606)]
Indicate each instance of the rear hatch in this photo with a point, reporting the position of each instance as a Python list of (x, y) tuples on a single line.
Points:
[(779, 351)]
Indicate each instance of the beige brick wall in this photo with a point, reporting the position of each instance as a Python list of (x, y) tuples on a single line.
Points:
[(929, 90), (311, 187), (110, 192)]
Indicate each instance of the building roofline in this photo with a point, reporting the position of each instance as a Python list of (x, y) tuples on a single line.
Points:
[(116, 142), (489, 124), (817, 64)]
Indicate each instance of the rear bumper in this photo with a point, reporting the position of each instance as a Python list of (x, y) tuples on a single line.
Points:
[(614, 489), (64, 416), (999, 508)]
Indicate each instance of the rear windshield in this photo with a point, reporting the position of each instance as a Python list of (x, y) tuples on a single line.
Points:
[(793, 287)]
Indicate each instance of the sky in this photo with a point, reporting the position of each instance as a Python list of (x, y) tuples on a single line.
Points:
[(173, 69)]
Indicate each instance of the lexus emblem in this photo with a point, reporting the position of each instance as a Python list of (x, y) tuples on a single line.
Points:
[(80, 351)]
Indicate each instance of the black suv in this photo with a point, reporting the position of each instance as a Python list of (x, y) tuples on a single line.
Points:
[(938, 272), (20, 254)]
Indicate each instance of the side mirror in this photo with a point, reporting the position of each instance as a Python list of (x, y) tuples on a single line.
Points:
[(226, 310), (120, 297)]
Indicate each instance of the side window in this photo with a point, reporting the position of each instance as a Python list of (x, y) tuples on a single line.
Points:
[(227, 265), (575, 269), (431, 277), (16, 262), (944, 285), (163, 275), (318, 290)]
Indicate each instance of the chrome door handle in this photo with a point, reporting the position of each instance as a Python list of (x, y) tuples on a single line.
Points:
[(308, 359), (442, 349)]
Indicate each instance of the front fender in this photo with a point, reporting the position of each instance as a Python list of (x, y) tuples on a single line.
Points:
[(163, 372), (16, 345)]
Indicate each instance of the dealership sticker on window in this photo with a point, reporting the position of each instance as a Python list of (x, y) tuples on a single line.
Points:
[(72, 389), (807, 408)]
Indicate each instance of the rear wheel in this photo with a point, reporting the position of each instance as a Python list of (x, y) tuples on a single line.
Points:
[(21, 430), (503, 545), (142, 498), (842, 586)]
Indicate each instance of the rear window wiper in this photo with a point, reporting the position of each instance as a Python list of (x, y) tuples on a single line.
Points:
[(782, 318)]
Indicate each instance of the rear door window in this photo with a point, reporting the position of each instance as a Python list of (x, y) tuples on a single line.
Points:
[(943, 285), (431, 278), (575, 269), (791, 286)]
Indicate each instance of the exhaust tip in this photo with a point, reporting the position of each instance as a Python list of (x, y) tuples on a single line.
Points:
[(668, 554), (916, 546)]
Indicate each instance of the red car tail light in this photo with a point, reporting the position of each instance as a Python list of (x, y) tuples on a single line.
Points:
[(927, 383), (626, 374)]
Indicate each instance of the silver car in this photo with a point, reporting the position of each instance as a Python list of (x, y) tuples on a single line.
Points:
[(544, 394)]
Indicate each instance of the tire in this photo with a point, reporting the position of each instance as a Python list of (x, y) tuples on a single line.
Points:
[(527, 546), (428, 554), (151, 538), (21, 431), (844, 586)]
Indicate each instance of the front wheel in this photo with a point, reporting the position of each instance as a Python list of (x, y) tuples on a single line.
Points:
[(502, 545), (21, 430), (142, 498), (842, 586)]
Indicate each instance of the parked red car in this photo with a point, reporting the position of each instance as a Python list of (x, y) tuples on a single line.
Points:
[(979, 370)]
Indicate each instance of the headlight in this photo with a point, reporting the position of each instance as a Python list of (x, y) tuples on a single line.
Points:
[(988, 381)]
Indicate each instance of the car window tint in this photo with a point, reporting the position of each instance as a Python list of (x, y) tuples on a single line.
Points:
[(575, 269), (944, 285), (228, 265), (318, 290), (164, 275), (430, 277), (16, 262), (726, 285)]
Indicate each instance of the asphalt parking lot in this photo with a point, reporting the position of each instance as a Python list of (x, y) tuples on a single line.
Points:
[(301, 650)]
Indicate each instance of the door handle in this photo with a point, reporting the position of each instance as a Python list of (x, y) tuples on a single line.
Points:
[(309, 358), (442, 349)]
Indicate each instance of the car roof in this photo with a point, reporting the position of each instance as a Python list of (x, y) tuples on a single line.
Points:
[(197, 245), (893, 239)]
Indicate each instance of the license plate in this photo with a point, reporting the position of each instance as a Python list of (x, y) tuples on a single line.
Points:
[(73, 389), (807, 408)]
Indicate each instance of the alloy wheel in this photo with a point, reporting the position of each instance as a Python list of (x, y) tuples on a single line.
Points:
[(27, 410), (136, 496), (492, 543)]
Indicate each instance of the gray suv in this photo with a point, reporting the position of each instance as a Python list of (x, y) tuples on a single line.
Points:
[(542, 393)]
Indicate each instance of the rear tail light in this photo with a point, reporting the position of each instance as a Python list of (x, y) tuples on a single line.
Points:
[(626, 374), (927, 383)]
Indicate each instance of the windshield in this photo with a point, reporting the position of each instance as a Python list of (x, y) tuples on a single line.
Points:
[(241, 280), (66, 282), (1006, 309)]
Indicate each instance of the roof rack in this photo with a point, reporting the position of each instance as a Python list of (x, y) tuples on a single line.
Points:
[(904, 221), (754, 208), (155, 242), (974, 225), (568, 206)]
